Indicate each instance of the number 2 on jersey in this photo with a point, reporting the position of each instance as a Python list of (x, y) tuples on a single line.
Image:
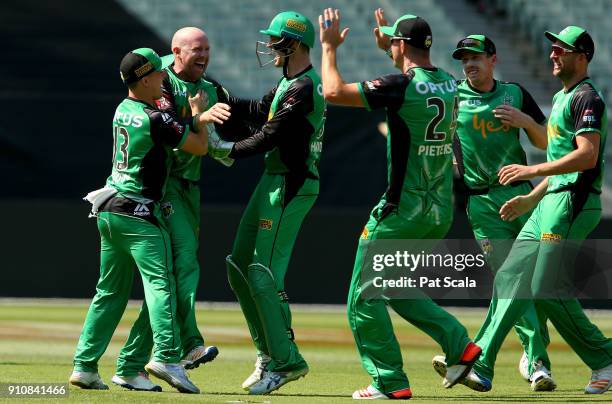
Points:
[(430, 133), (123, 148)]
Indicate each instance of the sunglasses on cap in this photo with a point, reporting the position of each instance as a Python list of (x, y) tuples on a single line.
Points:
[(560, 50)]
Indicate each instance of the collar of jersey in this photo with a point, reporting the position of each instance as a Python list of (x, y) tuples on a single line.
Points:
[(569, 90), (482, 92), (299, 73), (140, 101), (171, 70)]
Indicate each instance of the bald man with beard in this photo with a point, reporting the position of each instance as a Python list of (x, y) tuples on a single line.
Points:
[(185, 77)]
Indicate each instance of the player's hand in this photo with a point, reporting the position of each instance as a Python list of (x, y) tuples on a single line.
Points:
[(515, 207), (329, 24), (512, 116), (515, 172), (218, 113), (218, 148), (199, 102), (382, 40)]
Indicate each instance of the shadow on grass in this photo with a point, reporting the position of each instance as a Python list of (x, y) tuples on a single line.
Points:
[(571, 397), (275, 394)]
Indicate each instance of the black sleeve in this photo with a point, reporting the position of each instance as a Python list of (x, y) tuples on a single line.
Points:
[(386, 91), (531, 108), (587, 109), (251, 111), (165, 128), (166, 103), (239, 126), (289, 125)]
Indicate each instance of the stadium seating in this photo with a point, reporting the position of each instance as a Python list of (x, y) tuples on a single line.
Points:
[(535, 17), (233, 34)]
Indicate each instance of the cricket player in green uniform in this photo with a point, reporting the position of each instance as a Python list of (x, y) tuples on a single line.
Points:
[(568, 209), (133, 233), (491, 113), (421, 104), (181, 202), (288, 127)]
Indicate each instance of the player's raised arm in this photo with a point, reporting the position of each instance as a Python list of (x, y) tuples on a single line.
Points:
[(335, 90)]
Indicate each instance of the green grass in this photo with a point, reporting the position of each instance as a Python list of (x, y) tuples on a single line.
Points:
[(37, 340)]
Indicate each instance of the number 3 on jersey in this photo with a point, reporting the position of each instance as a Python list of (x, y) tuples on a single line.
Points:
[(120, 164), (430, 134)]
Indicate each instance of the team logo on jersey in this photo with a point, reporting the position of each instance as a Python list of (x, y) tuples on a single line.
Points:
[(508, 99), (163, 103), (288, 104), (486, 246), (167, 209), (265, 224), (588, 117), (552, 131), (551, 237), (372, 84), (365, 233), (141, 210)]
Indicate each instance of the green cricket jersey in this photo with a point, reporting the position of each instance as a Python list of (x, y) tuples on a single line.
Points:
[(287, 124), (578, 110), (143, 141), (483, 143), (284, 98), (175, 101), (421, 110)]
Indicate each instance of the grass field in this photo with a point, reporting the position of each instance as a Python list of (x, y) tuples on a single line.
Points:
[(38, 338)]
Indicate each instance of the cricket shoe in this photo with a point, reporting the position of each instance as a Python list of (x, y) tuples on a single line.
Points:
[(472, 380), (271, 381), (174, 374), (601, 380), (372, 393), (541, 379), (198, 356), (457, 372), (260, 365), (140, 382), (524, 367), (87, 380)]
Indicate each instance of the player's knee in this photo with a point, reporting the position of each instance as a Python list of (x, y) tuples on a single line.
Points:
[(186, 262), (260, 279)]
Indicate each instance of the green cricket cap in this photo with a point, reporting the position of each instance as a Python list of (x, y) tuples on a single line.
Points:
[(575, 38), (476, 44), (139, 63)]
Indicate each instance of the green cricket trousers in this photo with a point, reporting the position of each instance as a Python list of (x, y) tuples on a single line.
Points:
[(132, 236), (257, 266), (539, 266), (369, 319), (495, 237)]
